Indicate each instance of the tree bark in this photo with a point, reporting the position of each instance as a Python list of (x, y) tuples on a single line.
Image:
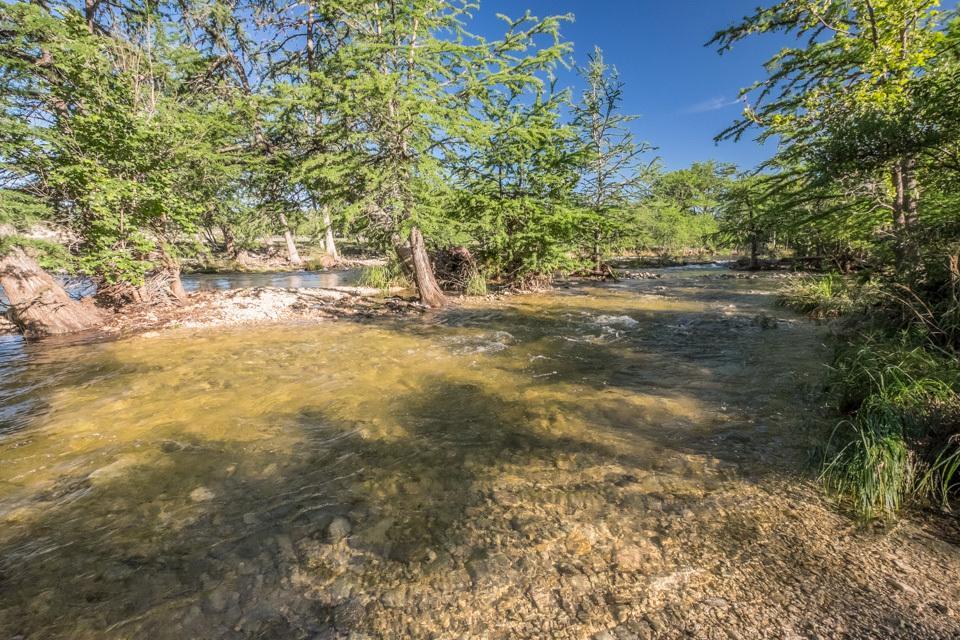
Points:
[(430, 292), (597, 251), (90, 14), (229, 242), (754, 243), (176, 284), (905, 211), (292, 254), (404, 256), (39, 306), (171, 269), (329, 242)]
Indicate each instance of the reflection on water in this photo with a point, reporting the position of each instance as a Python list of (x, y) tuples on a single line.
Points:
[(279, 482), (284, 280)]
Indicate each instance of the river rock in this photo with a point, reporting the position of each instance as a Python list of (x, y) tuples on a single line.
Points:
[(116, 469), (219, 599), (338, 529), (202, 494), (580, 541), (394, 598), (635, 557)]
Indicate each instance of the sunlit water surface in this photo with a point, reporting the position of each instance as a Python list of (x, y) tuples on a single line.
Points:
[(165, 487), (79, 287), (282, 279)]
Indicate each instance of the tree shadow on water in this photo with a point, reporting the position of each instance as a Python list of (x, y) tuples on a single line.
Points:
[(415, 487), (227, 539)]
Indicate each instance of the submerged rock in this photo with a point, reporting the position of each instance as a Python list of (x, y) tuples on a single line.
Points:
[(636, 557), (202, 494), (338, 529)]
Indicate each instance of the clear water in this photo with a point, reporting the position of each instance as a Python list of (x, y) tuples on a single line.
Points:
[(283, 280), (184, 486), (81, 287)]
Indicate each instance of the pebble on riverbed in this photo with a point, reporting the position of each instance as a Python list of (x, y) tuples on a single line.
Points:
[(202, 494), (338, 529)]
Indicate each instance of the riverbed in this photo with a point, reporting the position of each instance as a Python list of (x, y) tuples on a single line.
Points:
[(628, 460)]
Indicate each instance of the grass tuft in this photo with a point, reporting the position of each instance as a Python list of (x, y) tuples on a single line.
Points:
[(476, 285), (896, 446), (383, 277), (872, 469), (828, 296)]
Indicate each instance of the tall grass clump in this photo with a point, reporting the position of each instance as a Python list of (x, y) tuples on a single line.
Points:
[(476, 284), (827, 296), (873, 471), (899, 443), (383, 277)]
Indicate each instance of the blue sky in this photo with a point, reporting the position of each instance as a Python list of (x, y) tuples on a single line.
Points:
[(684, 93)]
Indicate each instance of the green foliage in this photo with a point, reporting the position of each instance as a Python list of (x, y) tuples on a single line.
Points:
[(51, 256), (663, 227), (942, 478), (121, 147), (612, 174), (898, 371), (864, 109), (827, 296), (429, 110), (858, 65), (146, 130), (21, 210), (679, 214), (515, 201)]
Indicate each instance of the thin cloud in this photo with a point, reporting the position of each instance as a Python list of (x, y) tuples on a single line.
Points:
[(713, 104)]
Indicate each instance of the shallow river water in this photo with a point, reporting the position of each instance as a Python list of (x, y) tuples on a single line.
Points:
[(570, 464)]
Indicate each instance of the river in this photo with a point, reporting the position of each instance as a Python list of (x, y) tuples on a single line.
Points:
[(599, 461), (80, 287)]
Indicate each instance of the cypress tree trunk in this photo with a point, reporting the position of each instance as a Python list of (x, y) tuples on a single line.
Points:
[(329, 242), (292, 254), (229, 242), (597, 250), (171, 269), (905, 210), (430, 292), (176, 284), (39, 306)]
